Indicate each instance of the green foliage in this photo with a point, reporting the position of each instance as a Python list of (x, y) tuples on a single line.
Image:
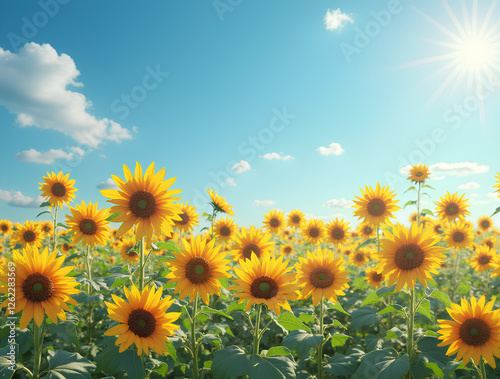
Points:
[(63, 364)]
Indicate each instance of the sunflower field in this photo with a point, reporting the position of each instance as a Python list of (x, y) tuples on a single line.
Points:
[(129, 290)]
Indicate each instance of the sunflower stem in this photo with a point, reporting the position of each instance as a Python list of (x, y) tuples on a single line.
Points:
[(55, 227), (320, 346), (141, 265), (418, 203), (89, 291), (483, 368), (454, 283), (38, 344), (194, 346), (256, 339), (411, 319)]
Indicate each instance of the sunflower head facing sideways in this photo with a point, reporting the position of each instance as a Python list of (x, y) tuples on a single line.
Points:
[(313, 231), (250, 242), (58, 189), (189, 218), (28, 234), (295, 218), (219, 203), (274, 221), (459, 235), (375, 206), (452, 207), (337, 231), (418, 173), (88, 224)]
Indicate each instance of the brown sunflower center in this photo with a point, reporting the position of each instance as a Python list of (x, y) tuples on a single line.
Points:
[(185, 219), (485, 224), (321, 277), (142, 204), (376, 207), (132, 253), (288, 249), (264, 287), (141, 322), (88, 226), (451, 209), (29, 236), (419, 174), (224, 231), (475, 331), (409, 256), (296, 219), (337, 233), (367, 230), (249, 249), (458, 236), (360, 256), (37, 287), (347, 252), (314, 232), (488, 243), (376, 277), (437, 229), (58, 189), (46, 228), (65, 247), (198, 270), (484, 259), (5, 228), (274, 222)]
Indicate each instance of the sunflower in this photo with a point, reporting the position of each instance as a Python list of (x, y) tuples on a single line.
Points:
[(267, 281), (88, 224), (418, 173), (251, 242), (6, 227), (144, 201), (129, 251), (413, 217), (295, 218), (313, 231), (28, 234), (286, 249), (321, 274), (347, 250), (490, 242), (374, 277), (42, 285), (452, 207), (408, 255), (473, 332), (337, 232), (189, 218), (66, 247), (484, 223), (437, 227), (458, 235), (274, 220), (47, 228), (497, 185), (484, 259), (197, 269), (142, 319), (359, 257), (219, 203), (58, 189), (375, 206), (224, 229), (366, 230)]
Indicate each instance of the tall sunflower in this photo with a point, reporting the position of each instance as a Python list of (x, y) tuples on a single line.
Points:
[(321, 274), (58, 189), (313, 231), (418, 173), (197, 269), (459, 235), (452, 207), (375, 206), (88, 224), (484, 259), (6, 227), (28, 234), (274, 220), (267, 281), (484, 223), (225, 229), (473, 332), (408, 255), (144, 201), (295, 218), (219, 203), (189, 218), (251, 242), (337, 231), (142, 319), (42, 285)]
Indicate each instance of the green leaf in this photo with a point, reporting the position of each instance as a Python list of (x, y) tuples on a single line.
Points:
[(442, 297), (162, 369), (45, 204), (208, 310), (336, 306), (111, 361), (41, 213), (341, 365), (305, 317), (168, 245), (339, 340), (7, 368), (278, 350), (394, 333), (431, 333), (230, 362), (276, 367), (391, 308), (497, 211), (338, 323), (63, 364), (290, 323), (113, 216), (383, 364), (411, 202), (372, 298), (409, 189), (83, 298), (66, 332), (430, 350), (235, 307), (424, 212), (364, 316), (172, 351), (386, 291), (425, 309), (367, 242), (428, 186), (301, 341)]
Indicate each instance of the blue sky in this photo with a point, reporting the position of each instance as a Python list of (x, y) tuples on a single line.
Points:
[(207, 89)]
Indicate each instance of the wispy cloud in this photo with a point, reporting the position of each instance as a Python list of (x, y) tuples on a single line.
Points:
[(468, 186), (338, 203), (107, 184), (335, 19), (241, 167), (47, 157), (17, 199), (277, 156), (443, 169), (263, 203), (332, 149)]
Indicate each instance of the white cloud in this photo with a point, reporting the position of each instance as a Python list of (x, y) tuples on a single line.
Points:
[(229, 182), (78, 150), (277, 156), (470, 185), (47, 157), (332, 149), (439, 177), (240, 167), (263, 203), (107, 184), (335, 20), (17, 199), (33, 85), (338, 203), (494, 196), (443, 169)]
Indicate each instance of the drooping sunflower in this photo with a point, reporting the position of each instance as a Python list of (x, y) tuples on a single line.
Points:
[(144, 201), (129, 251), (452, 207), (408, 255), (28, 234), (58, 189), (375, 206), (473, 332), (219, 203), (366, 230), (197, 269), (418, 173), (274, 220), (337, 231), (189, 218), (459, 235), (484, 259), (47, 228), (142, 319), (6, 227), (251, 242), (267, 281), (42, 285), (287, 249), (295, 218), (374, 277), (484, 223), (88, 224), (359, 257), (313, 231), (225, 229), (321, 274)]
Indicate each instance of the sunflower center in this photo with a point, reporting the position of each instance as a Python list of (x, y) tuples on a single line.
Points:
[(46, 229), (337, 233), (249, 249), (485, 224), (225, 231), (376, 207), (185, 219), (58, 189), (38, 287), (484, 259), (360, 256), (142, 204), (29, 236), (5, 228), (409, 256), (288, 250), (274, 222), (198, 270), (132, 253), (321, 277), (458, 236), (489, 244), (141, 322), (65, 246), (451, 209), (368, 230), (264, 287), (419, 174), (437, 229), (475, 331), (347, 252), (314, 232), (377, 277), (88, 226), (296, 219)]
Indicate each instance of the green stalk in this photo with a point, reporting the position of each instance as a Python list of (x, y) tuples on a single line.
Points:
[(418, 203), (194, 346), (55, 227), (483, 368), (141, 265), (256, 333), (320, 347), (411, 319), (89, 291), (455, 273), (38, 343)]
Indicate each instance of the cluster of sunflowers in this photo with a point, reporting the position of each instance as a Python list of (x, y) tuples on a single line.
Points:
[(288, 260)]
